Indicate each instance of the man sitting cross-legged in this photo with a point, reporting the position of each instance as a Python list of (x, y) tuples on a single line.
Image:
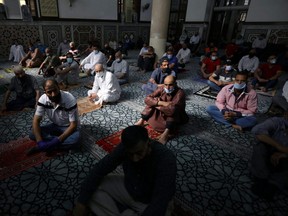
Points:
[(157, 77), (236, 104), (145, 188), (61, 109), (106, 87), (165, 109)]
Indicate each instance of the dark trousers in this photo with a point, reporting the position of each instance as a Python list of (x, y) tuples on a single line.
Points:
[(20, 103)]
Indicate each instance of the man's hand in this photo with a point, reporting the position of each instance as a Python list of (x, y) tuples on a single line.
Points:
[(92, 96), (43, 145), (283, 149), (80, 210), (164, 103), (219, 83), (229, 115), (276, 157)]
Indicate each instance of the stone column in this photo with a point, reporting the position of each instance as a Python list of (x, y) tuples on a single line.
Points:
[(159, 25)]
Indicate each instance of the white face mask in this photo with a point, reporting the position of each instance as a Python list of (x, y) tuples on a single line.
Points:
[(169, 56), (99, 74), (228, 67), (213, 58), (96, 52), (168, 91), (118, 60), (273, 61)]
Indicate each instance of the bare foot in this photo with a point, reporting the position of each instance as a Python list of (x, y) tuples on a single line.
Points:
[(140, 122), (237, 127)]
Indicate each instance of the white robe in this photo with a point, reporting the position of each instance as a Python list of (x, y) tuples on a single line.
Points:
[(16, 53)]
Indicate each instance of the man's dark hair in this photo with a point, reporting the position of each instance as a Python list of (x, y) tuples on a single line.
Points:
[(163, 60), (53, 81), (243, 73), (132, 135)]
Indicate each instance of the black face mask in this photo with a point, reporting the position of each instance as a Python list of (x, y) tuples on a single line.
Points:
[(56, 99), (184, 48), (251, 55)]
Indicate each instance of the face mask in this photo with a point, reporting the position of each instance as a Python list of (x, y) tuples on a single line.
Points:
[(118, 60), (169, 56), (96, 52), (184, 48), (251, 55), (273, 61), (168, 91), (69, 60), (239, 86), (228, 67), (55, 99), (213, 58), (99, 74)]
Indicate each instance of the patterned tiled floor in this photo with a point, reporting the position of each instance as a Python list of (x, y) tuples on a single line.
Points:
[(213, 161)]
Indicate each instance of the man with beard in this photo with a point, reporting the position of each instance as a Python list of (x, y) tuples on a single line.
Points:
[(61, 109), (165, 109), (157, 78), (146, 186), (26, 88), (236, 104)]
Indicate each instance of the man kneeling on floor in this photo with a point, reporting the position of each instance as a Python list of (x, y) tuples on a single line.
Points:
[(145, 188), (61, 109), (165, 109)]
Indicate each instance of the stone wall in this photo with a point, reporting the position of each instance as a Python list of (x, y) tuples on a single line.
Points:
[(51, 33)]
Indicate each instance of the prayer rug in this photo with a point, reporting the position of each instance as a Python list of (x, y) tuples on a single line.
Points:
[(110, 142), (82, 75), (206, 92), (8, 70), (69, 87), (269, 93), (85, 106), (13, 158)]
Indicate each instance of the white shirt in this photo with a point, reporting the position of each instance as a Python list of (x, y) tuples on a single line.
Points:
[(61, 114), (16, 53), (92, 59), (107, 84), (285, 91), (184, 54), (143, 50), (259, 43), (250, 64)]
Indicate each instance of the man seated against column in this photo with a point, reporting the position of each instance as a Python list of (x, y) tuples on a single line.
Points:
[(16, 52), (95, 57), (49, 65), (183, 56), (120, 68), (140, 60), (267, 74), (165, 109), (68, 72), (26, 88), (222, 77), (269, 164), (105, 88), (249, 62), (146, 187), (157, 77), (210, 65), (194, 43), (61, 109), (236, 104)]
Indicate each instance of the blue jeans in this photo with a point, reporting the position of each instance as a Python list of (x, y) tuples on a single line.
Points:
[(213, 85), (267, 85), (244, 122), (50, 131)]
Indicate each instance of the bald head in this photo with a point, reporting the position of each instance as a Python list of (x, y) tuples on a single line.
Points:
[(170, 79), (99, 68), (169, 84), (19, 71)]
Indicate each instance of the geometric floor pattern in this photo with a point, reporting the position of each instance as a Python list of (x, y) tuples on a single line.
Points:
[(213, 161)]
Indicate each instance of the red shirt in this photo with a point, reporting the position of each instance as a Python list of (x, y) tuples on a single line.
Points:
[(268, 72), (231, 49), (211, 65)]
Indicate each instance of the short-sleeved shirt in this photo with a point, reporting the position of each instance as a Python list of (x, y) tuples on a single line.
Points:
[(211, 65), (63, 113), (73, 75), (268, 72), (276, 127), (159, 76), (221, 75), (25, 88)]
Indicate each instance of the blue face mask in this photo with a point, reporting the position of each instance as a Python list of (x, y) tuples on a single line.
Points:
[(169, 56), (69, 60), (168, 91), (239, 86)]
